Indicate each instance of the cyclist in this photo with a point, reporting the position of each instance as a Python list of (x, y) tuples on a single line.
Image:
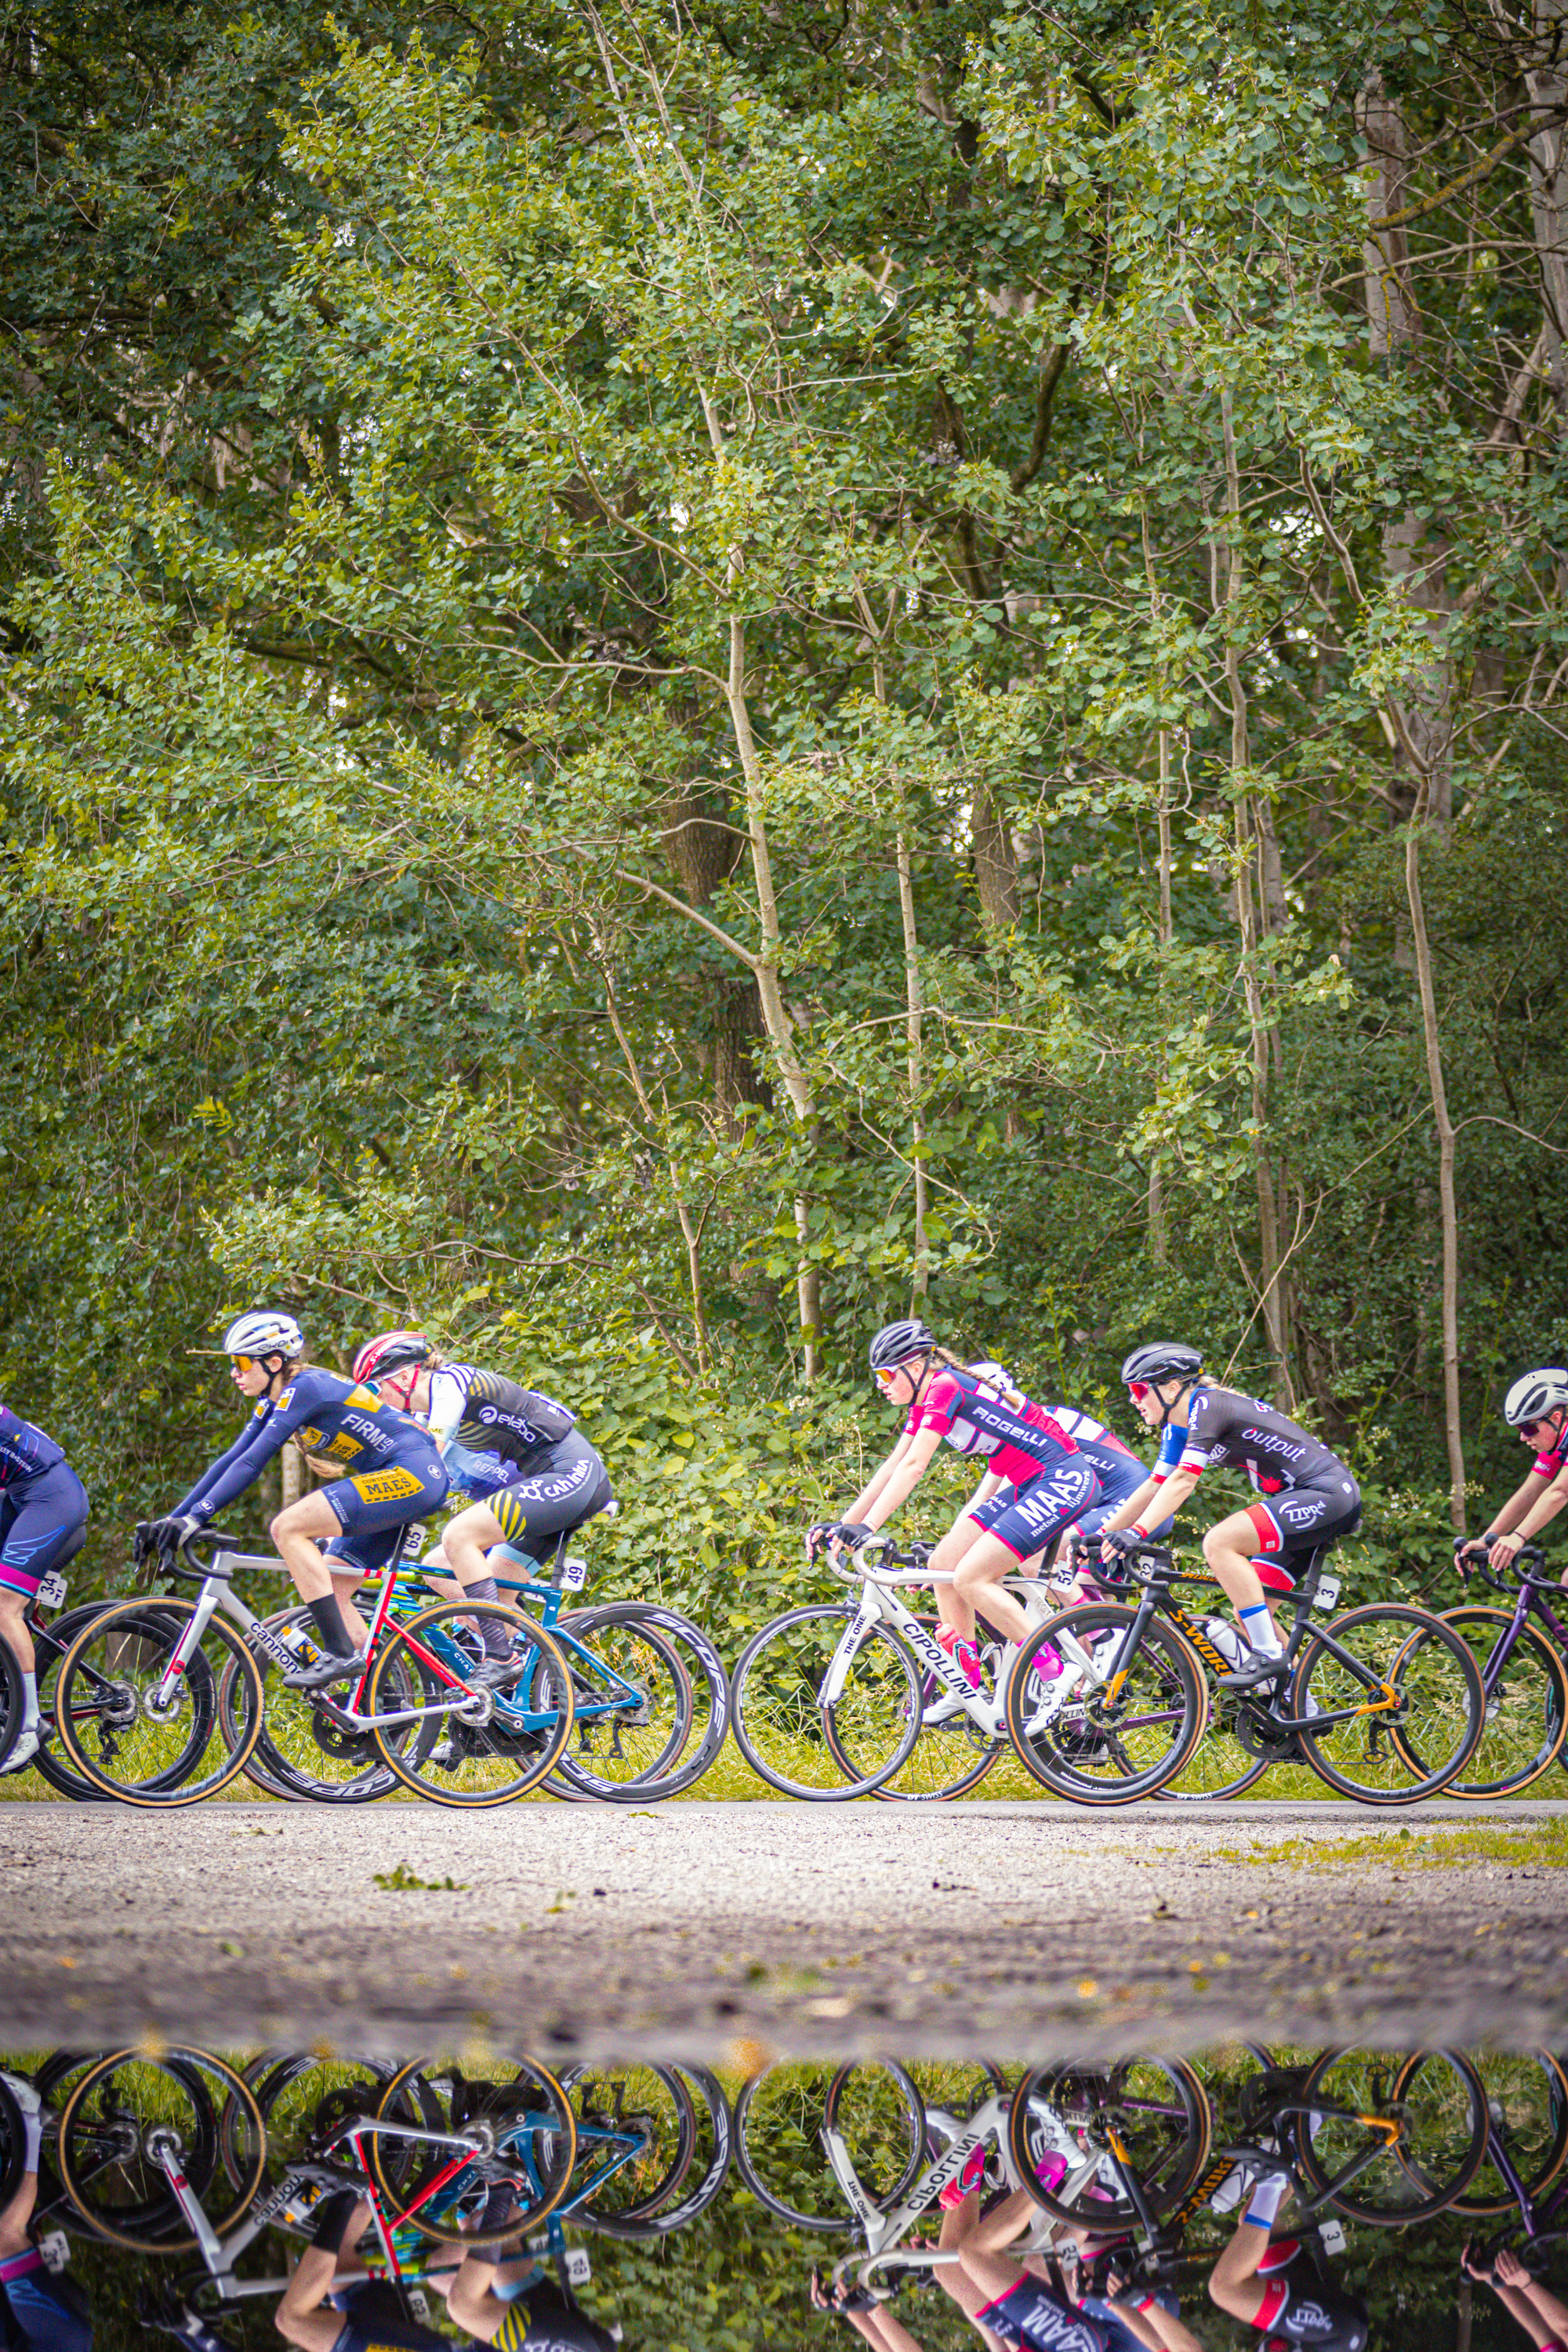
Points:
[(512, 2303), (1121, 1473), (1537, 1406), (1306, 1497), (1542, 2314), (38, 2311), (43, 1510), (519, 1456), (358, 2315), (395, 1475), (1274, 2284), (1045, 1482)]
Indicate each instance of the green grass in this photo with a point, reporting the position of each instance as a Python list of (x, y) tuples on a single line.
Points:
[(1540, 1844)]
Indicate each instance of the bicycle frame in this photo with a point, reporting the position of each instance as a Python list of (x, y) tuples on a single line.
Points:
[(879, 1604), (883, 2231), (1530, 1602)]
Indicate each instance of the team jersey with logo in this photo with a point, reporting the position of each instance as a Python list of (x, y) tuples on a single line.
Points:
[(1227, 1430), (327, 1415), (24, 1449), (1103, 1447), (488, 1413), (1550, 1465), (1017, 1441)]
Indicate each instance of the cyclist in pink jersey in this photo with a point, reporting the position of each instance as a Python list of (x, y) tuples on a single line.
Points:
[(1047, 1482), (1537, 1406)]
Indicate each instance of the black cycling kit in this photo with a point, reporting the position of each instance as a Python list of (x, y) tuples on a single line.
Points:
[(1302, 2308), (1030, 2318), (43, 1504), (1311, 1497), (519, 1451)]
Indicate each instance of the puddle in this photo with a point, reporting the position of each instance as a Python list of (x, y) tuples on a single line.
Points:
[(483, 2197)]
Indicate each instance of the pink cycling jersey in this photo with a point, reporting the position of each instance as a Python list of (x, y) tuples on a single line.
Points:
[(1017, 1441)]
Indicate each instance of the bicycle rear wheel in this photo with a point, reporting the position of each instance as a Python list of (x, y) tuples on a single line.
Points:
[(1079, 2135), (782, 1723), (1412, 1700), (949, 1759), (710, 1684), (135, 1740), (470, 1745), (632, 1701), (523, 2111), (1101, 1731), (51, 1762), (1440, 2101), (1526, 1715), (636, 2136), (1527, 2107), (127, 2106)]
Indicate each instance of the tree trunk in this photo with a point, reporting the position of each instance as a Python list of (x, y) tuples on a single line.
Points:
[(1547, 85), (914, 1011), (1447, 1209), (995, 874), (1159, 1238)]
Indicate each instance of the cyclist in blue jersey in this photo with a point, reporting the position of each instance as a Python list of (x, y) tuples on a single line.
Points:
[(1306, 1497), (1537, 1406), (1044, 1483), (43, 1510), (394, 1476)]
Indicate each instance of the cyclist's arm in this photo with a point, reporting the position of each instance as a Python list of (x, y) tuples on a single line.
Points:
[(1549, 2309), (1549, 1498), (242, 1464), (1156, 1499), (1521, 2307), (868, 1496), (216, 1472), (881, 2328), (897, 1489)]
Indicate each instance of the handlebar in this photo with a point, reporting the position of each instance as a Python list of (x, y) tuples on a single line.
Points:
[(1528, 1558)]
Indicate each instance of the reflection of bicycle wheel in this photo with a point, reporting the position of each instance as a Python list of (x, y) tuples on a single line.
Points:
[(522, 2120), (715, 2141), (1107, 1729), (1526, 1706), (142, 1734), (1527, 2108), (1082, 2136), (782, 1720), (636, 2135), (304, 2099), (781, 2115), (1410, 1699), (126, 2112), (491, 1742), (13, 2146), (1371, 2173)]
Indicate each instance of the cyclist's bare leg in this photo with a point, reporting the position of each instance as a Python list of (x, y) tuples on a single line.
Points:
[(467, 1540), (304, 2316), (1229, 1548), (472, 2300), (14, 1628), (299, 1532), (1233, 2282), (977, 1582), (15, 2216)]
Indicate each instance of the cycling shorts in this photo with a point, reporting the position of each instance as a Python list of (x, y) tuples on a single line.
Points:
[(474, 1476), (411, 1486), (39, 1519), (1300, 1520), (1027, 1517), (555, 1497), (375, 2322), (39, 2313), (1299, 2307), (544, 2320), (1030, 2319), (1121, 2338)]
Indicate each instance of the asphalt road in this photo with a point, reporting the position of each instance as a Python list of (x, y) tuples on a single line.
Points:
[(1023, 1928)]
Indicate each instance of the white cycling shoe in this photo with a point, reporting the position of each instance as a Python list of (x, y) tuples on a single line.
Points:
[(26, 1747)]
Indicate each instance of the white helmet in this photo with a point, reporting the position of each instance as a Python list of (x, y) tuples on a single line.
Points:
[(1535, 1394), (264, 1332)]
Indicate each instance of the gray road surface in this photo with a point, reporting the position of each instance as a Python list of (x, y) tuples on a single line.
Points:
[(1025, 1930)]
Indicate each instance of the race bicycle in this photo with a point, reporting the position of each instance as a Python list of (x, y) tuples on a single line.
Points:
[(1384, 1702), (830, 1699), (1522, 1656), (161, 1702)]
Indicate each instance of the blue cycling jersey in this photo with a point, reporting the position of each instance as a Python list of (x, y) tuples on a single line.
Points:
[(24, 1449), (327, 1414)]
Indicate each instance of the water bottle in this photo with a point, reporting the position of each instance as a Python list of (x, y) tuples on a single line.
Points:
[(1227, 1640), (299, 1644)]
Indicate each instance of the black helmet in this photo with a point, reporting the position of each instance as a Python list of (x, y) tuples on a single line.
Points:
[(1162, 1359), (895, 1343)]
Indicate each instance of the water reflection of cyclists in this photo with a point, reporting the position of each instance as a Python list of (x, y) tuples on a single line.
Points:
[(39, 2312), (1276, 2285), (1542, 2314)]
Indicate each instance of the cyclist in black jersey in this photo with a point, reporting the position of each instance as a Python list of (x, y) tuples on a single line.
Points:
[(395, 1475), (1306, 1497), (1276, 2285), (43, 1514), (517, 1454)]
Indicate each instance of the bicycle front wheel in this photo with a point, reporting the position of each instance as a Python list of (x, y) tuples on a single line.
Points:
[(141, 1719), (1438, 2101), (1402, 1699), (1525, 1688), (633, 1704), (302, 1754), (1527, 2113), (780, 2117), (492, 1741), (127, 2110), (523, 2111), (782, 1719), (1094, 1725)]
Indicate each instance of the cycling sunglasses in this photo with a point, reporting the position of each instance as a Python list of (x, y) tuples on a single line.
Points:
[(1528, 1428), (244, 1364), (886, 1374), (1137, 1390)]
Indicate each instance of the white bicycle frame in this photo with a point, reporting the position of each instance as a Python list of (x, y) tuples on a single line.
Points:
[(879, 1605)]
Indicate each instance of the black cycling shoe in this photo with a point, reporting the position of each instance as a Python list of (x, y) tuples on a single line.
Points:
[(328, 1669), (499, 1674), (1267, 1670)]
